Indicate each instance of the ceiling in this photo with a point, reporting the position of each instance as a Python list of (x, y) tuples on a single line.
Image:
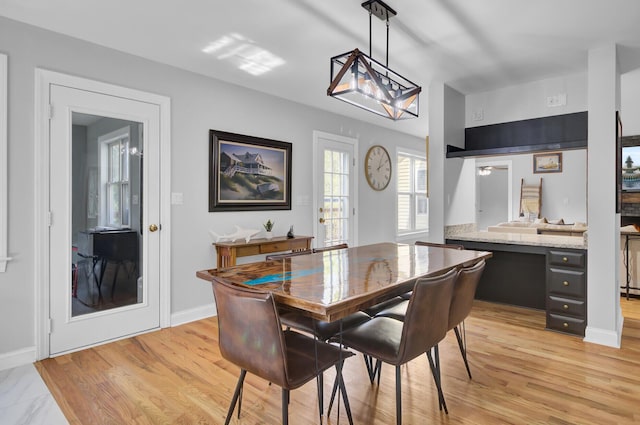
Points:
[(473, 46)]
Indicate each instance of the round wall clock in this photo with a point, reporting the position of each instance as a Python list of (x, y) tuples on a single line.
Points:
[(377, 167)]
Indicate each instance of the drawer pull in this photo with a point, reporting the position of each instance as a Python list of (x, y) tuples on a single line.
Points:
[(565, 259), (565, 324), (566, 307), (565, 283)]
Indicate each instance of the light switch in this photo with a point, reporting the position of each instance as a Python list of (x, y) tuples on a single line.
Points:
[(176, 198)]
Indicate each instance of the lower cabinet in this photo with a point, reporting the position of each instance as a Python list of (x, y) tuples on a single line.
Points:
[(566, 290)]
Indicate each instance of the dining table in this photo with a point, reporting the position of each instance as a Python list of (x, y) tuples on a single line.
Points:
[(332, 284)]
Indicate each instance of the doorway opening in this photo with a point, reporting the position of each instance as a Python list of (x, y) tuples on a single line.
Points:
[(494, 199)]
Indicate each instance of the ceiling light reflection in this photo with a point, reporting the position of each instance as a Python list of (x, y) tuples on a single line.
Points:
[(244, 53)]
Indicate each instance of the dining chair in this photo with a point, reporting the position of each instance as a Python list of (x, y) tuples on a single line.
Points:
[(272, 257), (331, 248), (464, 291), (252, 338), (394, 342)]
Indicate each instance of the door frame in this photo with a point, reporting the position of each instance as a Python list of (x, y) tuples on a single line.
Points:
[(354, 202), (43, 79)]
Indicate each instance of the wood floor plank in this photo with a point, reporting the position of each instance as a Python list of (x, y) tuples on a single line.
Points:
[(522, 374)]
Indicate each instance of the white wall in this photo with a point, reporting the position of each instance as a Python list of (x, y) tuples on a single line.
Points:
[(198, 104), (564, 195)]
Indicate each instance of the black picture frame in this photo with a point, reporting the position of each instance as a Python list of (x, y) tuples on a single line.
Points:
[(248, 173), (618, 163)]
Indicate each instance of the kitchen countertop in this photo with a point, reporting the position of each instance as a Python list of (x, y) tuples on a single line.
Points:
[(554, 241)]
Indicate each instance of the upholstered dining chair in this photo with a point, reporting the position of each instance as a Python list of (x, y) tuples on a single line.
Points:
[(252, 338), (394, 342), (464, 291), (331, 248)]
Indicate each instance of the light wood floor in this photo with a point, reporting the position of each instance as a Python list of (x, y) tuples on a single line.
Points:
[(522, 374)]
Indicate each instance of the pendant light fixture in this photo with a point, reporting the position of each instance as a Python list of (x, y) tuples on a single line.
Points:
[(362, 81)]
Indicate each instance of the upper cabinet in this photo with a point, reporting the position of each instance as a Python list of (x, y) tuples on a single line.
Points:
[(558, 132)]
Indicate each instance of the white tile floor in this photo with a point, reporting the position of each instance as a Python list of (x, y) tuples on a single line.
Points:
[(25, 399)]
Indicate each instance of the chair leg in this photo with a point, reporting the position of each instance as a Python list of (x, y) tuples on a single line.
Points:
[(334, 391), (398, 397), (343, 391), (339, 382), (463, 348), (435, 371), (320, 381), (237, 393), (285, 406)]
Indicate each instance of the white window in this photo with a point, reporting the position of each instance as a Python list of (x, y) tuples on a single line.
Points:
[(115, 178), (413, 201)]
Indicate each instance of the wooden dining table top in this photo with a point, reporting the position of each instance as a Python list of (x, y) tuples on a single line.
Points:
[(332, 284)]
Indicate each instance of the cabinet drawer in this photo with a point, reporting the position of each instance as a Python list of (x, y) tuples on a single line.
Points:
[(566, 324), (570, 283), (567, 258), (282, 246), (564, 306)]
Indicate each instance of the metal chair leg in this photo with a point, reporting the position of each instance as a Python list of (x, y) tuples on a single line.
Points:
[(285, 407), (320, 381), (343, 391), (339, 382), (435, 371), (236, 394), (463, 348), (398, 397)]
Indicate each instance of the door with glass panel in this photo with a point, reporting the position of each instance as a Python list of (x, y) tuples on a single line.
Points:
[(104, 249), (334, 189)]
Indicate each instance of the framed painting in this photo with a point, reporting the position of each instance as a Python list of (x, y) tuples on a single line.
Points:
[(547, 162), (248, 173), (619, 165)]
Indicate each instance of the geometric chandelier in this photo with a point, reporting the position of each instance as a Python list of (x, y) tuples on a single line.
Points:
[(362, 81)]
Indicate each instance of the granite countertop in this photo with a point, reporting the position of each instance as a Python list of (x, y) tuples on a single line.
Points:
[(555, 241)]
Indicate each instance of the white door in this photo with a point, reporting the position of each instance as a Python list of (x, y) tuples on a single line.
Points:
[(104, 205), (334, 190)]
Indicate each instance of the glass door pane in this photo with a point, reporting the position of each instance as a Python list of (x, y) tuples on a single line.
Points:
[(106, 207)]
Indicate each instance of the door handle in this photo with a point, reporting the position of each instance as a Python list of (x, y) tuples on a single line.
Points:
[(321, 220), (153, 228)]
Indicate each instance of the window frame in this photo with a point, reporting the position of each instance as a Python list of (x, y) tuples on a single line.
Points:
[(413, 193), (105, 142)]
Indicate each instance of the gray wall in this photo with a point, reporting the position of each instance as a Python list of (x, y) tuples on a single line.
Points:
[(198, 104)]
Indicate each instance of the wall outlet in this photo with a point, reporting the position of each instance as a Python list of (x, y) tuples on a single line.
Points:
[(557, 100), (477, 115)]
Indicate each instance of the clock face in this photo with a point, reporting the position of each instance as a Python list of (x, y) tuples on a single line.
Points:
[(377, 167)]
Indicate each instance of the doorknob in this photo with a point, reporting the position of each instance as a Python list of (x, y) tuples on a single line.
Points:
[(321, 220), (153, 228)]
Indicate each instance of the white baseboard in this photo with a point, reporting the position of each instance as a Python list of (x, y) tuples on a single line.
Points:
[(191, 315), (604, 336), (17, 358)]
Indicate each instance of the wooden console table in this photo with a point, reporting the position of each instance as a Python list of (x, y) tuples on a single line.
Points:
[(227, 252)]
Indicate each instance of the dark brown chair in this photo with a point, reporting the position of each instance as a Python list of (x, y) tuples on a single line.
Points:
[(272, 257), (251, 337), (331, 248), (464, 292), (425, 325)]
